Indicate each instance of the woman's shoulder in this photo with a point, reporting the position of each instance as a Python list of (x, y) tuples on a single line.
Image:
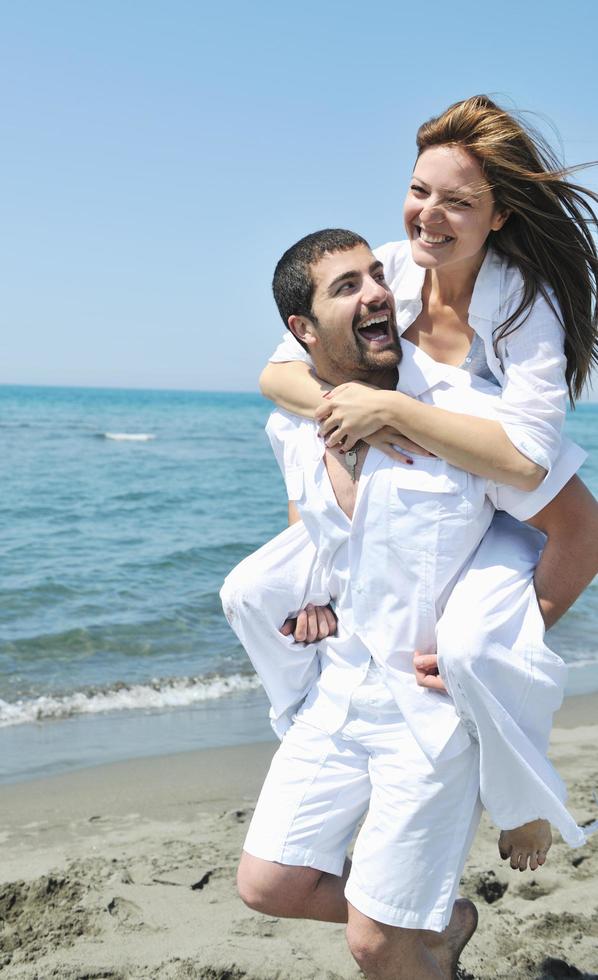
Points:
[(403, 275), (394, 255)]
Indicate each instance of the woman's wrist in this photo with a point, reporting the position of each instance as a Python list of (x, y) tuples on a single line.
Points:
[(388, 408)]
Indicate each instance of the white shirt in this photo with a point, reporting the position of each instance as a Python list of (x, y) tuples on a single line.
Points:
[(392, 567), (530, 365)]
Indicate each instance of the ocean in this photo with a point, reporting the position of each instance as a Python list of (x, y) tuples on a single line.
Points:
[(122, 511)]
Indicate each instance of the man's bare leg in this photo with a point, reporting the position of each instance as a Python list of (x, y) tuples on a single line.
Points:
[(527, 845), (447, 946), (388, 953), (292, 892), (306, 893)]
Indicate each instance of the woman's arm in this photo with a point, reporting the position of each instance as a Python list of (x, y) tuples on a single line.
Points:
[(569, 561), (481, 446), (294, 386)]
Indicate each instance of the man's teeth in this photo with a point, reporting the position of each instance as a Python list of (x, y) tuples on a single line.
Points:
[(375, 327), (433, 239), (372, 321)]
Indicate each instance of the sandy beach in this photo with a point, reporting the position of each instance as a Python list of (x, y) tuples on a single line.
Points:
[(126, 871)]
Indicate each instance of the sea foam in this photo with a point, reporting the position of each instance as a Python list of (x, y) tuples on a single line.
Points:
[(175, 692), (128, 436)]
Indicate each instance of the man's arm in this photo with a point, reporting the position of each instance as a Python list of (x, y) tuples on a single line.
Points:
[(569, 561), (313, 623)]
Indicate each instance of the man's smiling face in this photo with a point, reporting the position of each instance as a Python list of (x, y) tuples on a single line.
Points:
[(352, 330)]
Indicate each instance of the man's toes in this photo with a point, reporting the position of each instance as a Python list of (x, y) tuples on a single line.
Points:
[(504, 847), (534, 862)]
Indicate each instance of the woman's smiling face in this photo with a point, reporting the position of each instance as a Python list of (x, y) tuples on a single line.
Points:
[(449, 210)]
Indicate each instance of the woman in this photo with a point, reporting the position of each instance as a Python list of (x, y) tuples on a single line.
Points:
[(498, 276)]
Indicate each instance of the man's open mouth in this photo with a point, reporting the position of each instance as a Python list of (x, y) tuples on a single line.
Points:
[(376, 328), (429, 239)]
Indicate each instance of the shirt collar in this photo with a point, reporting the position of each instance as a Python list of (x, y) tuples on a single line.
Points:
[(485, 300), (418, 372), (407, 288)]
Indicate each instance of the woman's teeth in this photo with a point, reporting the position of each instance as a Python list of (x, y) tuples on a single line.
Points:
[(433, 239)]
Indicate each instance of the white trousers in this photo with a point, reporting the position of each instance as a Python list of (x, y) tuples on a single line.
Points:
[(504, 680), (421, 817)]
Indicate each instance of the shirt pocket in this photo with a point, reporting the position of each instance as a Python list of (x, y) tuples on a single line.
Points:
[(429, 506), (294, 482)]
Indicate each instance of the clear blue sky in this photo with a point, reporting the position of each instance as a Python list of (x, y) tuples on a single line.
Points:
[(157, 157)]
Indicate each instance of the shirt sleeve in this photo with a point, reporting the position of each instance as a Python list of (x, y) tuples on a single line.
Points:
[(281, 429), (524, 504), (534, 398), (289, 349)]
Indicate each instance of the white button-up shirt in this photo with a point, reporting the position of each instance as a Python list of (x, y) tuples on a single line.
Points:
[(529, 364), (391, 568)]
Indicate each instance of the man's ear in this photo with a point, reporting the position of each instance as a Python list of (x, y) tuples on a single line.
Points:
[(303, 329)]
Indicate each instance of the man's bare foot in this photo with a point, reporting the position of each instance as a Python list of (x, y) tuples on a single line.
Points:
[(528, 843), (446, 947)]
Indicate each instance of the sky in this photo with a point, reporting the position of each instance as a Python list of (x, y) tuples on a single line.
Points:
[(158, 156)]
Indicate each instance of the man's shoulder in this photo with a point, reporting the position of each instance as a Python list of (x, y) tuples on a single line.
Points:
[(283, 425)]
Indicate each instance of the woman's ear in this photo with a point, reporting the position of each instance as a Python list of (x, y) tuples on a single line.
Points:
[(500, 218)]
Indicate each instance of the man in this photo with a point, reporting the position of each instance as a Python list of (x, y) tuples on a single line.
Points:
[(389, 541)]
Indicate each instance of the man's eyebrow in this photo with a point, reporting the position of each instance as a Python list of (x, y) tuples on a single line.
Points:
[(344, 275), (353, 274)]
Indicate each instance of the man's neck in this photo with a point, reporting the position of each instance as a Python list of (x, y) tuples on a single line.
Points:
[(386, 379)]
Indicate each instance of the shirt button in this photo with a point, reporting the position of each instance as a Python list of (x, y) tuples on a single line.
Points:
[(468, 359)]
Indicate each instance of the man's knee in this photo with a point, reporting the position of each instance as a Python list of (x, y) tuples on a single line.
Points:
[(275, 889)]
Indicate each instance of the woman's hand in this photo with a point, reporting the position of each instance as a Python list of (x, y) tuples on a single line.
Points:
[(349, 413), (355, 411), (388, 441)]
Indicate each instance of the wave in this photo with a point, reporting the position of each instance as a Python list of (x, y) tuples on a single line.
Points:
[(127, 436), (173, 692)]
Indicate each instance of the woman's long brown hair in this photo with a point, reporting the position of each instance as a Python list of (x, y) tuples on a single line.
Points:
[(548, 234)]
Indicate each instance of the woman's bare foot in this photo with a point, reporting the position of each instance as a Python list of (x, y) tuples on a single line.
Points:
[(446, 947), (528, 843)]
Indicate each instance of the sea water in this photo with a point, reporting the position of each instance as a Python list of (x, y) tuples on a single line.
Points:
[(121, 513)]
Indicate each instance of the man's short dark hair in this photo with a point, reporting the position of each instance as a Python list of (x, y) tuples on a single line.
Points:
[(292, 284)]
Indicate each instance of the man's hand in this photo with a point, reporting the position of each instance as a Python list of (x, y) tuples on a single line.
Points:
[(312, 624), (426, 671)]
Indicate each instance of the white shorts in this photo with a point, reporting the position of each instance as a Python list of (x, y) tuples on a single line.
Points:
[(421, 819)]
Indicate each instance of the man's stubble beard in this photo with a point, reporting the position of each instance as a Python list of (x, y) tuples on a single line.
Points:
[(356, 362)]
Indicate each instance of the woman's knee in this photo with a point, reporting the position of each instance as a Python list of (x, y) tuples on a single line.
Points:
[(462, 643)]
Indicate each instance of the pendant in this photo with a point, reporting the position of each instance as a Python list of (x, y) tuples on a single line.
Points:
[(350, 458)]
